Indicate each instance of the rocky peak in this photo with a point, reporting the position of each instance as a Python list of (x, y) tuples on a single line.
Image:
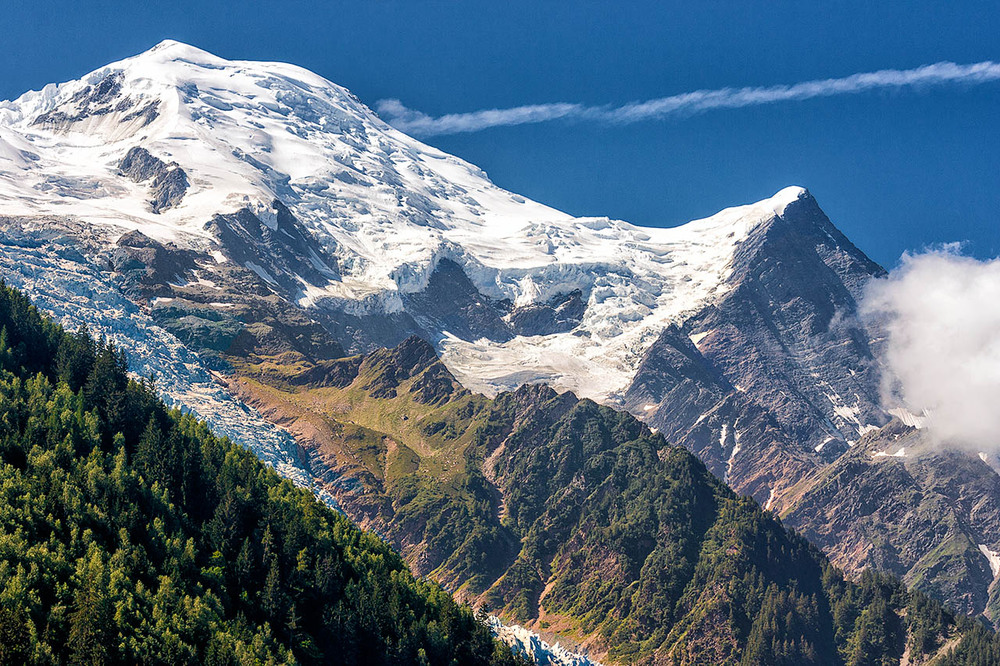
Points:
[(385, 370)]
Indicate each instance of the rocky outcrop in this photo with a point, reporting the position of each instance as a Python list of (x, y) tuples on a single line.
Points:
[(146, 267), (276, 247), (561, 313), (899, 504), (100, 99), (167, 182), (451, 303)]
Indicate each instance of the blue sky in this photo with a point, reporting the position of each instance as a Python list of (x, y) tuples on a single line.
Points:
[(895, 170)]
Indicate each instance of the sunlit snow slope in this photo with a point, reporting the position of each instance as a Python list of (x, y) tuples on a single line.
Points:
[(384, 205)]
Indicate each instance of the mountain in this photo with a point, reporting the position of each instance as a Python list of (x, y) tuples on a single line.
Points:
[(133, 535), (576, 520), (254, 182), (897, 502), (243, 228)]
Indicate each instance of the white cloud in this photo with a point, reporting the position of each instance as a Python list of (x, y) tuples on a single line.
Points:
[(941, 312), (421, 124)]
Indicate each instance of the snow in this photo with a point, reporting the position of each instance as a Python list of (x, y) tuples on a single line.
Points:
[(993, 557), (732, 456), (985, 458), (388, 207), (697, 337), (527, 642), (261, 272), (908, 417), (900, 453), (770, 500), (819, 447)]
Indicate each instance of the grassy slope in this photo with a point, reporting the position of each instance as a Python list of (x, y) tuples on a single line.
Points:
[(571, 517)]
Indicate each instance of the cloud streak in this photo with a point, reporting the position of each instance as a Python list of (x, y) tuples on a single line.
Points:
[(938, 74)]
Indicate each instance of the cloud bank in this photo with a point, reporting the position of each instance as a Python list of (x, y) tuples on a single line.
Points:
[(941, 73), (941, 312)]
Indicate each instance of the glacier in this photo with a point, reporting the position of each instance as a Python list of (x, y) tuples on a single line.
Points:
[(75, 293)]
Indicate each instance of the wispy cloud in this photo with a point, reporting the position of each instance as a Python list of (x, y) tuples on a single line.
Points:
[(941, 73)]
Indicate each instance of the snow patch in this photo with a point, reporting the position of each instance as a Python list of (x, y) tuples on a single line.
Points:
[(993, 558), (697, 337), (908, 417), (732, 456), (261, 272), (819, 447), (770, 500)]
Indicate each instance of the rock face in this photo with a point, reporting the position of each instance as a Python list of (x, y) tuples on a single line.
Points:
[(451, 303), (779, 369), (168, 182), (276, 247), (896, 503)]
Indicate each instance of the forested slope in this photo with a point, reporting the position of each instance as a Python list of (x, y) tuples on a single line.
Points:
[(130, 534), (576, 519)]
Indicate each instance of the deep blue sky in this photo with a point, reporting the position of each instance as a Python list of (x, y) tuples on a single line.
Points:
[(894, 171)]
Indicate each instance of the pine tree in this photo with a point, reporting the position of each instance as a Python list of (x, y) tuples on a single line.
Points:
[(90, 635)]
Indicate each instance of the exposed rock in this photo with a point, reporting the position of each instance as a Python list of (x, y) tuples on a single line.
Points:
[(168, 181), (897, 503), (452, 303), (275, 246), (561, 313), (788, 333), (146, 267), (781, 362)]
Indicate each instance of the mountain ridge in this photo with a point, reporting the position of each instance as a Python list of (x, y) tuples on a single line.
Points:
[(538, 507)]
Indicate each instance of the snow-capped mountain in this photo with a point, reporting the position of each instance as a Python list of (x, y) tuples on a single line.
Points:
[(164, 142), (222, 219)]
